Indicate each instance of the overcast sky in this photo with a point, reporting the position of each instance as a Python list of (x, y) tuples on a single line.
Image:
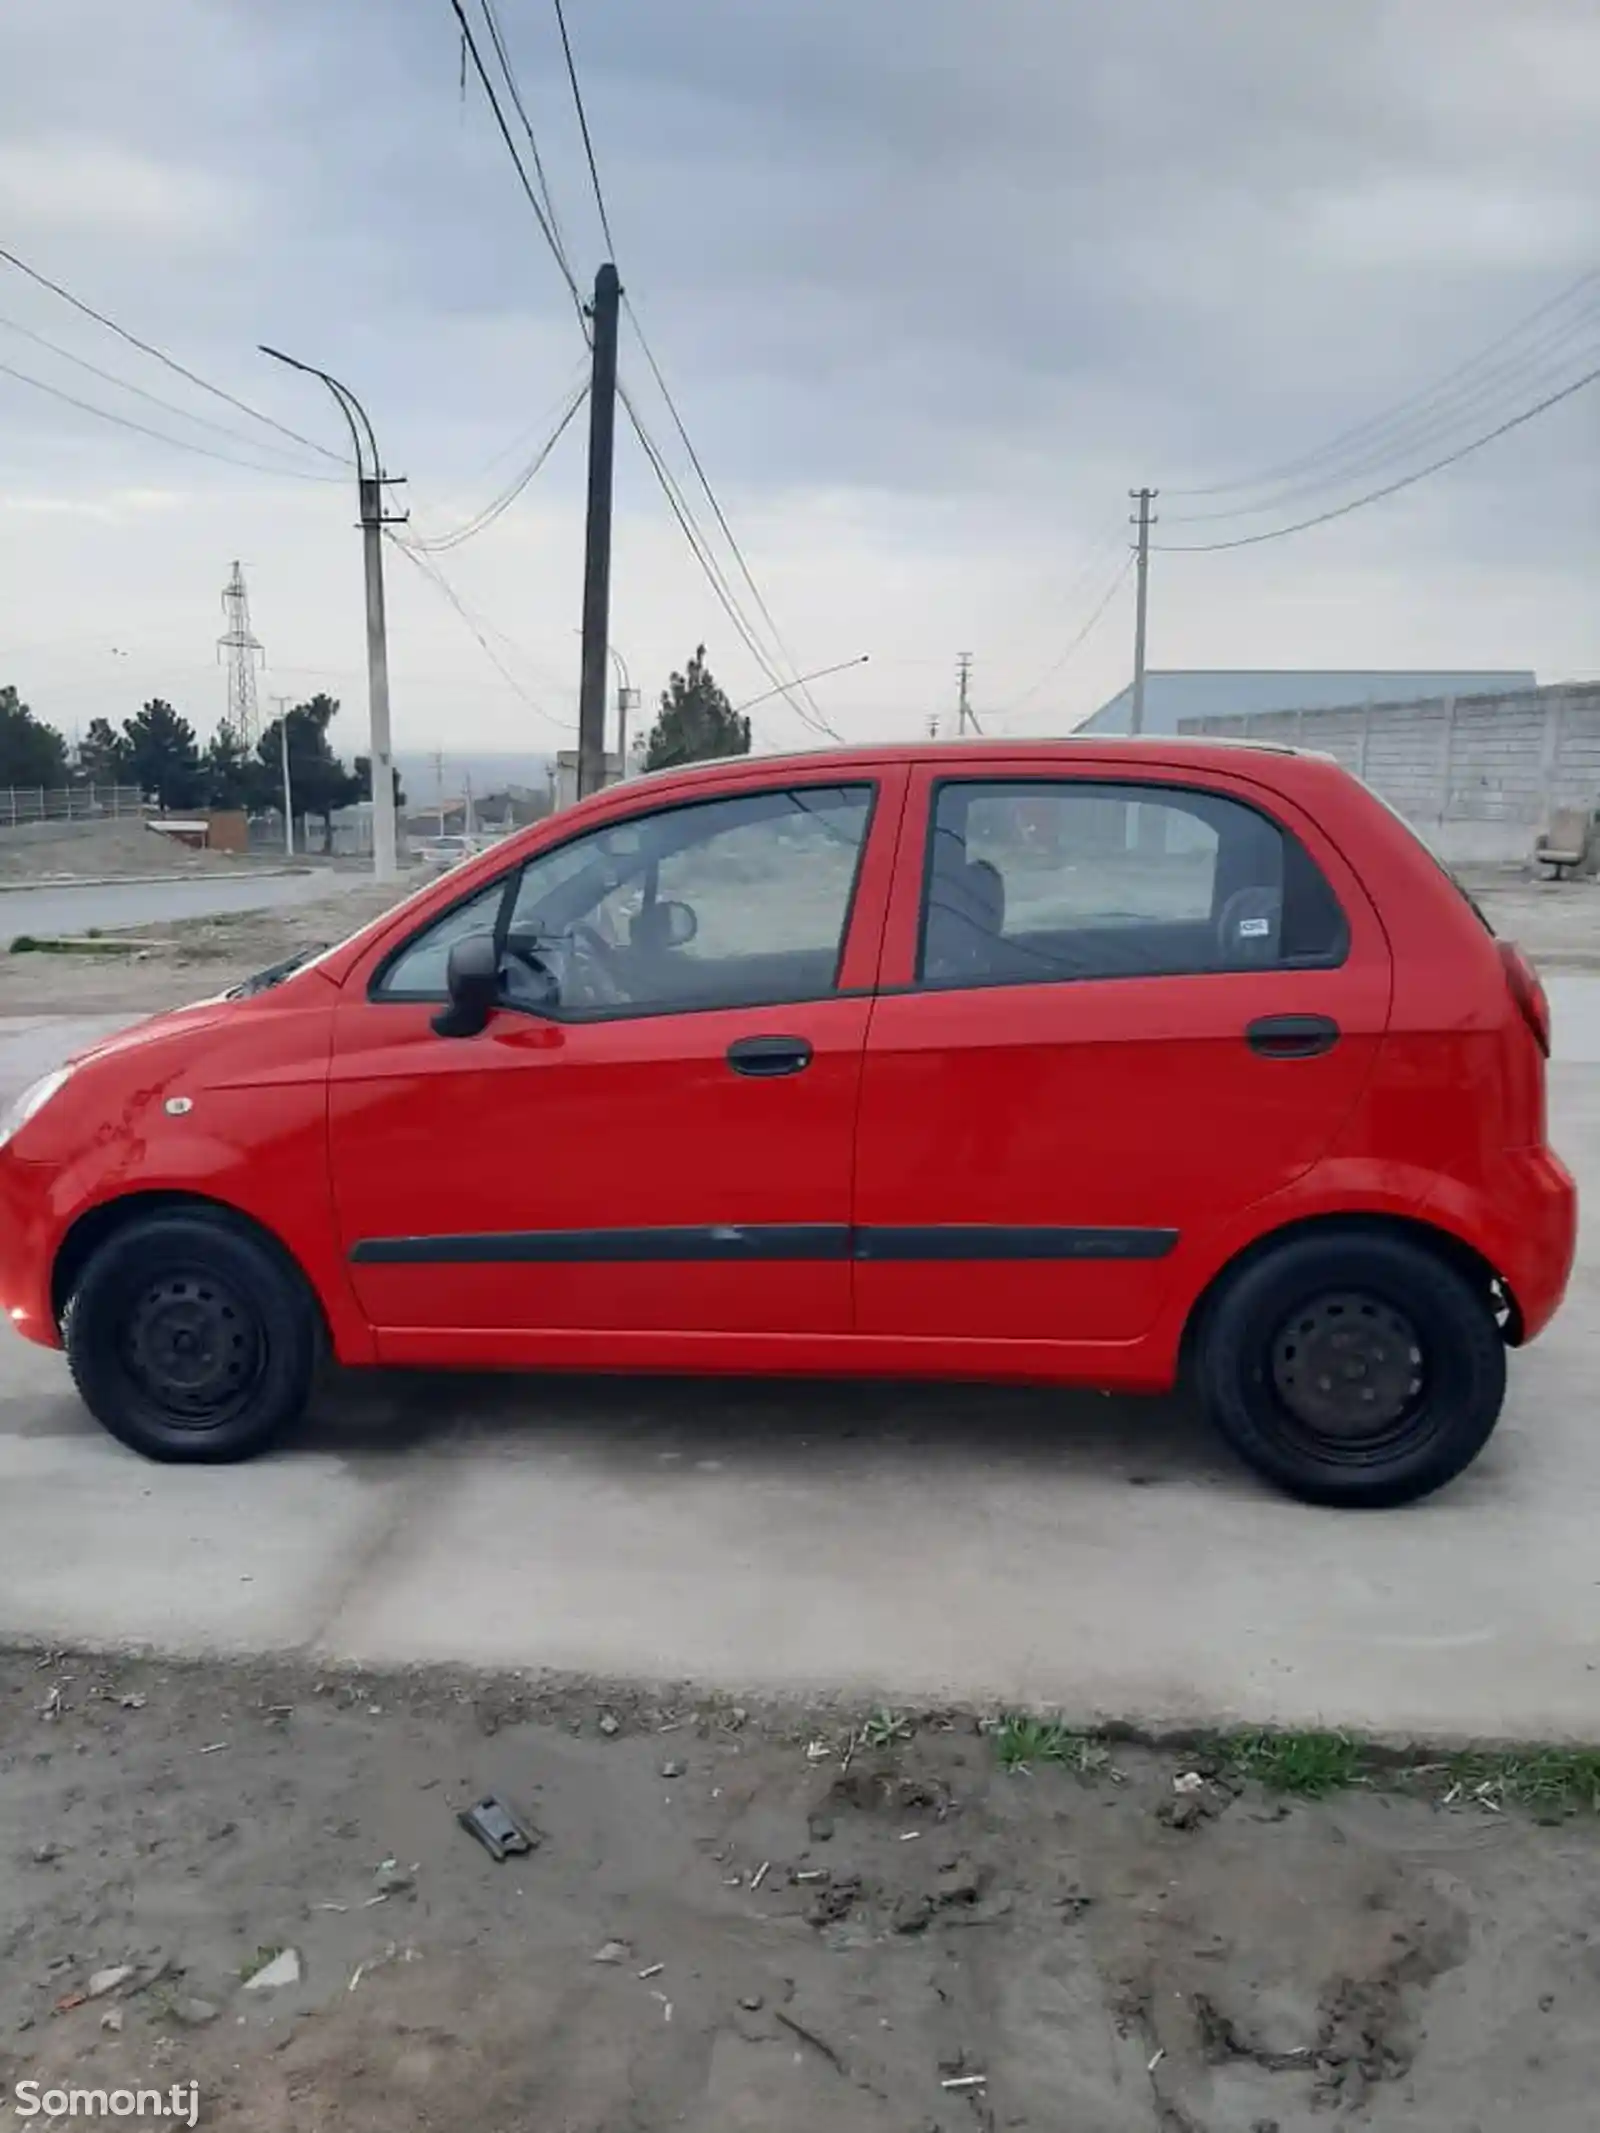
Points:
[(934, 283)]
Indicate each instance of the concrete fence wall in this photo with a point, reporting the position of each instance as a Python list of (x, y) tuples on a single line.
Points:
[(1477, 776)]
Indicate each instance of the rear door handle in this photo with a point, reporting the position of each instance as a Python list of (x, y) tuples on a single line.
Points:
[(1292, 1036), (765, 1058)]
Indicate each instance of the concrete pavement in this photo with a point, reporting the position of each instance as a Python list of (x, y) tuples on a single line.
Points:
[(74, 907), (1099, 1556)]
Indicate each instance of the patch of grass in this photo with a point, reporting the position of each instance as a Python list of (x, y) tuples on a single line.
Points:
[(1024, 1739), (1546, 1781), (1310, 1764), (886, 1729)]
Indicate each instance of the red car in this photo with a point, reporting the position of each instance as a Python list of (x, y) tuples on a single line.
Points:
[(1097, 1062)]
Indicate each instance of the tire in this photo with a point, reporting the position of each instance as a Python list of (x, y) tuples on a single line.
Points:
[(1353, 1368), (192, 1338)]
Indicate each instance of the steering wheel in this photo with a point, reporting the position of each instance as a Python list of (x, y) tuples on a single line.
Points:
[(597, 965)]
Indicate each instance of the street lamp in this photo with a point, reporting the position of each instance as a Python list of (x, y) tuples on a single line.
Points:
[(819, 674), (627, 700), (370, 481)]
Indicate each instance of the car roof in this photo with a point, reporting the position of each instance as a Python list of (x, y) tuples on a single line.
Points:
[(1131, 748)]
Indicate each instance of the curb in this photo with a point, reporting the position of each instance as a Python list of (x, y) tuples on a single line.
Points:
[(123, 881)]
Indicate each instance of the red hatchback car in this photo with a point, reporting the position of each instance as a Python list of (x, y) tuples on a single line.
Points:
[(1098, 1062)]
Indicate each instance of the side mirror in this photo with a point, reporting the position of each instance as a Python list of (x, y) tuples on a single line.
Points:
[(679, 924), (473, 978)]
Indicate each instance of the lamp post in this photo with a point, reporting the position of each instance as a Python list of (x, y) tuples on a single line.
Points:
[(370, 482)]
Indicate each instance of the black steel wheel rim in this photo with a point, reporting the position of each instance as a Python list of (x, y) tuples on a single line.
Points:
[(194, 1347), (1349, 1374)]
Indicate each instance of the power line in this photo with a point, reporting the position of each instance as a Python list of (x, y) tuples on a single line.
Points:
[(715, 578), (1416, 400), (441, 583), (557, 249), (160, 355), (711, 498), (583, 127), (1393, 444), (183, 444), (544, 214), (506, 68), (109, 377), (508, 496), (1110, 594), (1088, 573), (1393, 488)]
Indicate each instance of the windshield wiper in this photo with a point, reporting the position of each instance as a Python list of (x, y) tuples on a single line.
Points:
[(274, 974)]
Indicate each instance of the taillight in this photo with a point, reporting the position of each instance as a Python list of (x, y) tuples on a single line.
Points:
[(1528, 993)]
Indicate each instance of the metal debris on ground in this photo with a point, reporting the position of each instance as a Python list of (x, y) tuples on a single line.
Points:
[(614, 1951), (496, 1828), (673, 1769), (760, 1874), (654, 1970), (1188, 1781), (965, 2081), (610, 1724)]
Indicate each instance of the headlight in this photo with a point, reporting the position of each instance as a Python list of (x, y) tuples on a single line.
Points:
[(32, 1100)]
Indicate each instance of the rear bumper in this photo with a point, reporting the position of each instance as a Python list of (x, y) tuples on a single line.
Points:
[(1528, 1232)]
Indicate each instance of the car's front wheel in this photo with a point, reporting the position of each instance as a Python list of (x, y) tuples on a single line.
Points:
[(191, 1338), (1353, 1367)]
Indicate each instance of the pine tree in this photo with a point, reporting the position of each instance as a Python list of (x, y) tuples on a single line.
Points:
[(696, 720)]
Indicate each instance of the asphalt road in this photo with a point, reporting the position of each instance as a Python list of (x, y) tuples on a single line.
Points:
[(54, 907), (1099, 1556)]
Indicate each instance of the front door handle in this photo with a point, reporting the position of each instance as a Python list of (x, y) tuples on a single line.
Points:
[(767, 1057), (1292, 1036)]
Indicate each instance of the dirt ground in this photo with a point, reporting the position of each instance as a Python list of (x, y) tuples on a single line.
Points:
[(91, 852), (752, 1921), (186, 959)]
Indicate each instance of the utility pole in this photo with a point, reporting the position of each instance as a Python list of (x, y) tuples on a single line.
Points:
[(597, 540), (371, 481), (627, 700), (282, 703), (963, 677), (1144, 498), (438, 785)]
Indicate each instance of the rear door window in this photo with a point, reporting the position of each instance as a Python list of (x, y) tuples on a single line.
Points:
[(1039, 881)]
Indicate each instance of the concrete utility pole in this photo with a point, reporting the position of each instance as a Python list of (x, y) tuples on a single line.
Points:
[(282, 703), (627, 700), (597, 541), (1144, 498), (371, 481), (963, 677)]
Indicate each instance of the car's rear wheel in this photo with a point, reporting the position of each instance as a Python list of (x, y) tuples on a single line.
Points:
[(192, 1338), (1353, 1367)]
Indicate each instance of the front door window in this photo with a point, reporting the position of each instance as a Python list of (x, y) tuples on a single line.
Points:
[(737, 902)]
